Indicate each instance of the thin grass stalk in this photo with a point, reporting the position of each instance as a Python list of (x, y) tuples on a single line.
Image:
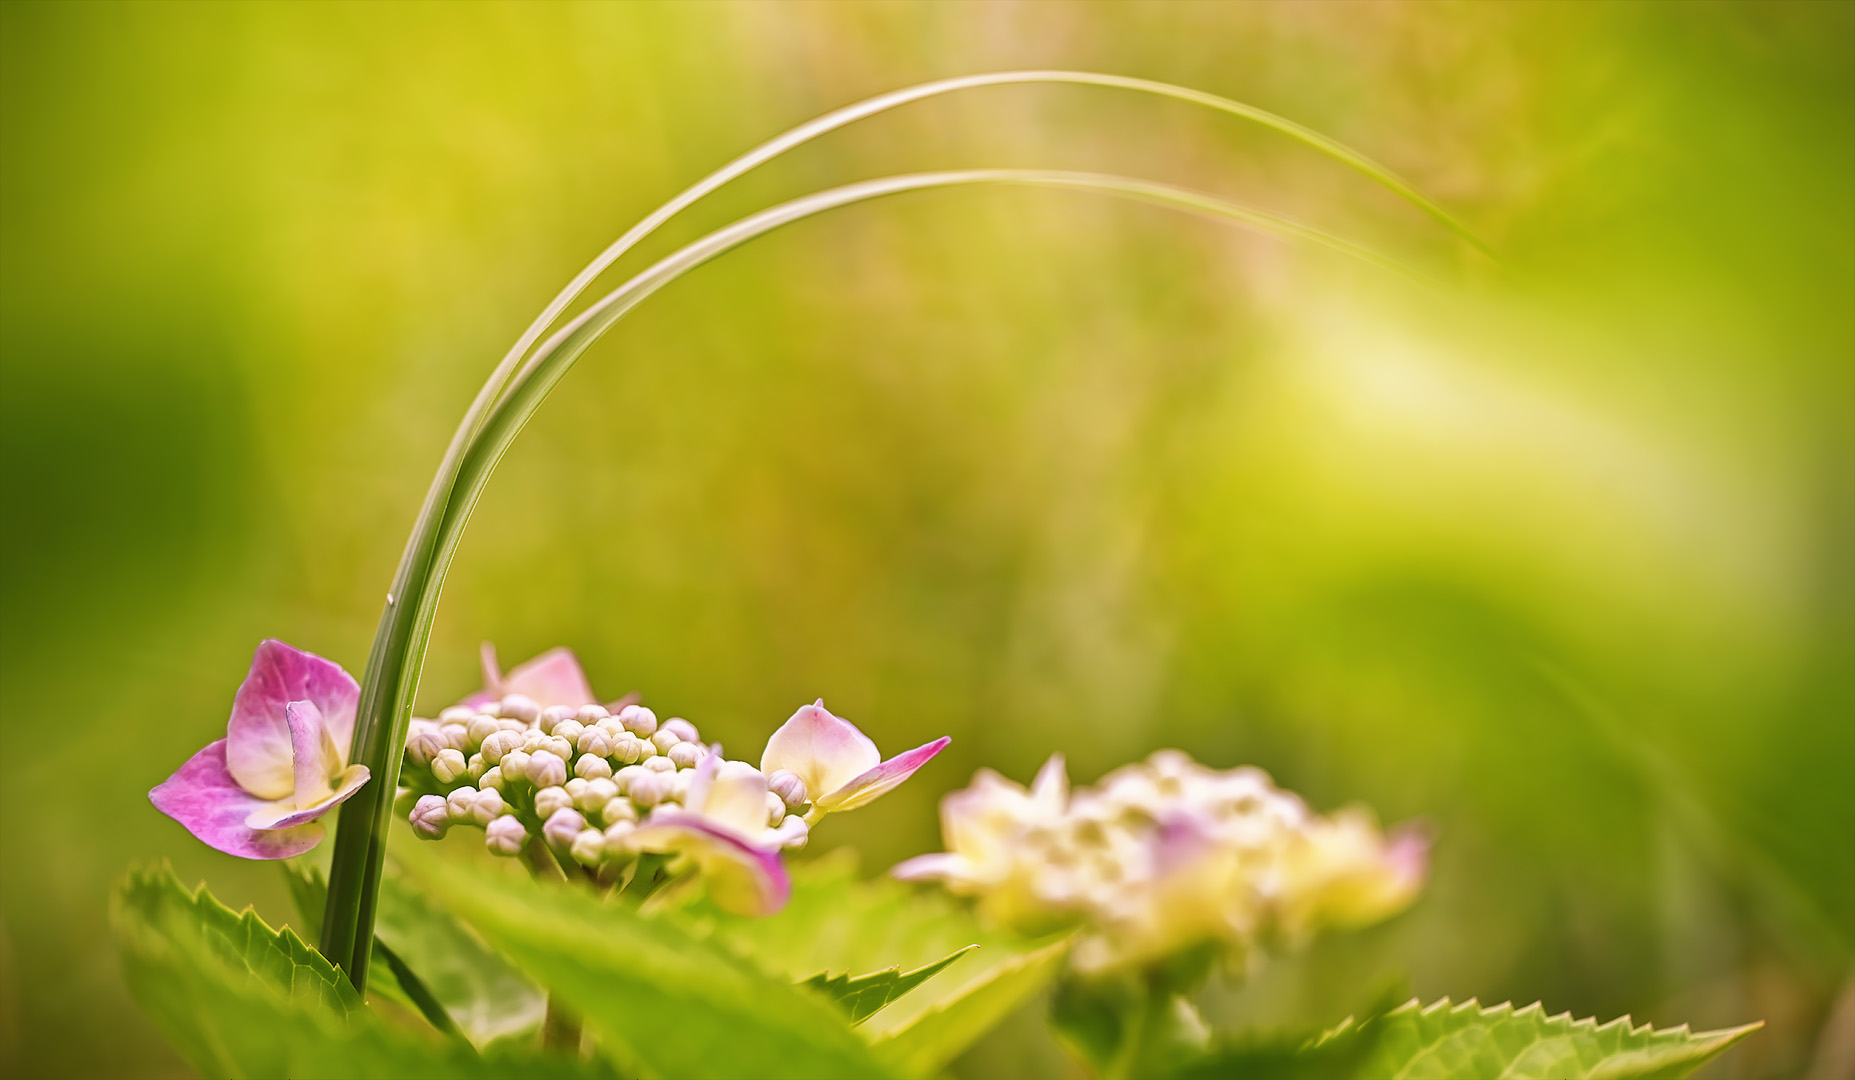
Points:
[(351, 881)]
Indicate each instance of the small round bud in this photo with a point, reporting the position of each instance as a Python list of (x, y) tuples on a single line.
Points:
[(500, 743), (486, 807), (423, 746), (682, 729), (510, 723), (615, 836), (559, 747), (514, 768), (575, 786), (619, 810), (788, 786), (562, 826), (775, 810), (506, 836), (551, 799), (553, 714), (482, 726), (475, 767), (638, 720), (568, 729), (457, 714), (680, 784), (660, 765), (611, 726), (521, 707), (546, 769), (595, 794), (492, 778), (665, 739), (626, 775), (592, 767), (489, 708), (649, 788), (459, 803), (794, 833), (590, 714), (431, 817), (449, 765), (628, 748), (594, 741), (456, 736), (684, 755), (534, 739), (588, 848)]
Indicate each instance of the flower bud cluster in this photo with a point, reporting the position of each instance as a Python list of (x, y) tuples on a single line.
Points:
[(581, 778), (1167, 855)]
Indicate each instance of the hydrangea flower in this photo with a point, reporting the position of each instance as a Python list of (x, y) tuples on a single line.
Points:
[(723, 828), (839, 765), (1165, 855), (283, 762)]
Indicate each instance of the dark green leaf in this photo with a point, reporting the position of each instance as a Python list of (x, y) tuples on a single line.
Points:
[(657, 997), (862, 996)]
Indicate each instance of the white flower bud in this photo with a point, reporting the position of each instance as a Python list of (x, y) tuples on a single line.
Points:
[(660, 765), (548, 717), (546, 769), (575, 786), (562, 826), (459, 803), (521, 707), (619, 810), (590, 714), (475, 767), (649, 788), (568, 729), (534, 739), (638, 720), (456, 736), (588, 848), (684, 755), (679, 786), (500, 743), (665, 739), (794, 833), (628, 749), (550, 800), (482, 726), (486, 807), (511, 723), (431, 817), (557, 746), (492, 778), (682, 729), (626, 775), (595, 794), (788, 786), (489, 708), (610, 726), (514, 768), (449, 765), (506, 836), (423, 746), (775, 810), (592, 767), (615, 836), (457, 714), (594, 741)]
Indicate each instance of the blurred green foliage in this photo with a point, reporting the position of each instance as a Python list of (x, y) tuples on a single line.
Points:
[(1561, 560)]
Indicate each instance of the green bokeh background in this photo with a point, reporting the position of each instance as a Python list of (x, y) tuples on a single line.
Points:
[(1557, 558)]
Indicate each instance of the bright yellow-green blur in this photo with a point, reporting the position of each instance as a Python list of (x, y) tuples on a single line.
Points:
[(1559, 558)]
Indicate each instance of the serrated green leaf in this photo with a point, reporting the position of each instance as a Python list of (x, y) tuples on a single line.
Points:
[(1444, 1041), (657, 997), (862, 996), (238, 998), (836, 922)]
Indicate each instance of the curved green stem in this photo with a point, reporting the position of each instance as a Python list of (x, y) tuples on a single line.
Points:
[(391, 676)]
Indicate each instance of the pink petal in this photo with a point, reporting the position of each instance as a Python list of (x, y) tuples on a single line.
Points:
[(929, 867), (553, 678), (204, 798), (285, 814), (741, 878), (258, 751), (826, 752), (878, 781), (311, 751)]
